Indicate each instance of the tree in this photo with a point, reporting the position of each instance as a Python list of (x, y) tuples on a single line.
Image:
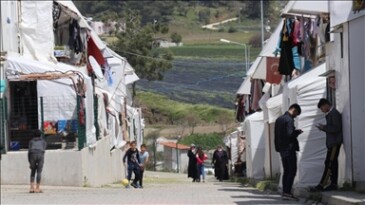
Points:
[(204, 16), (136, 44), (193, 120), (175, 37)]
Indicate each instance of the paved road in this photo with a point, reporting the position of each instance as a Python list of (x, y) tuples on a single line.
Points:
[(160, 188)]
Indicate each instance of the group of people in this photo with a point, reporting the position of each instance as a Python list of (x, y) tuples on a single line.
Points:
[(286, 143), (196, 164), (136, 162)]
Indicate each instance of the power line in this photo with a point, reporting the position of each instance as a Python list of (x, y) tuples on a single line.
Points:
[(136, 54)]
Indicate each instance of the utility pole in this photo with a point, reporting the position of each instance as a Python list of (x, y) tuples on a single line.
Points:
[(262, 24)]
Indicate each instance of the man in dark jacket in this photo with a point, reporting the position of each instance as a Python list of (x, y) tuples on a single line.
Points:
[(286, 143), (333, 130), (36, 149)]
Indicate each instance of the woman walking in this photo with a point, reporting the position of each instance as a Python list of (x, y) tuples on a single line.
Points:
[(200, 158)]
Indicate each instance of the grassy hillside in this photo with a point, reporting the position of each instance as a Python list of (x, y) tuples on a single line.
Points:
[(159, 109)]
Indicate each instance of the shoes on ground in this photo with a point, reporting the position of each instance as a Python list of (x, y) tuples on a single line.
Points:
[(289, 197), (135, 185)]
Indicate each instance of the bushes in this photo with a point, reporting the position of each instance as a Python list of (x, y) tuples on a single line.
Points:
[(207, 141)]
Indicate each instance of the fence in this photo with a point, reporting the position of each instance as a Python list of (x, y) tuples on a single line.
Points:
[(61, 120), (3, 124)]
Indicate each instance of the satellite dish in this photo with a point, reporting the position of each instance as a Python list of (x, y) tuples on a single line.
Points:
[(96, 68)]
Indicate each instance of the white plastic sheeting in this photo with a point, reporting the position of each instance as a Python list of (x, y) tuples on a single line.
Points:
[(47, 88), (274, 105), (341, 12), (255, 147), (8, 27), (36, 30), (268, 51), (306, 90), (306, 7), (231, 141), (245, 87)]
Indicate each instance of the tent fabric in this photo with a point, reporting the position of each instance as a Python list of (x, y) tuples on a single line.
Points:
[(274, 108), (129, 79), (306, 7), (9, 21), (254, 66), (231, 141), (341, 12), (23, 65), (306, 90), (259, 71), (255, 154), (70, 8), (245, 88), (36, 30)]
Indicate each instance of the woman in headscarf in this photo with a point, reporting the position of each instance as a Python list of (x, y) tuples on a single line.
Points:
[(192, 167), (220, 161)]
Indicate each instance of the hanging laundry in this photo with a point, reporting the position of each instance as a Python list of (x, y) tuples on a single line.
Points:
[(75, 42)]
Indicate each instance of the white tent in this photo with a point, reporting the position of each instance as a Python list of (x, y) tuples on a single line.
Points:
[(268, 51), (9, 22), (255, 147), (36, 30), (306, 7), (341, 12), (231, 141), (274, 105), (258, 68), (306, 90), (57, 88)]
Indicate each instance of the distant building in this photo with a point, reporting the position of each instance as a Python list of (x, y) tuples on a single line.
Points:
[(170, 153), (163, 43), (102, 28)]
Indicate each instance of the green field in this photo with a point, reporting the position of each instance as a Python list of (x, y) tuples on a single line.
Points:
[(176, 111), (218, 51)]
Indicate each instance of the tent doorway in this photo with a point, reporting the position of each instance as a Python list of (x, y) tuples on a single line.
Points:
[(23, 113)]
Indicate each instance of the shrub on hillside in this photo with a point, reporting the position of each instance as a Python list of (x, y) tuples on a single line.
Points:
[(206, 141), (232, 29)]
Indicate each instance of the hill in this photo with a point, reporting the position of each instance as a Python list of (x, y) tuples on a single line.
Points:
[(160, 110), (205, 70)]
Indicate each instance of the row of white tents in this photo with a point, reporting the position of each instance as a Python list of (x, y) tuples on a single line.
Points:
[(28, 40), (306, 90)]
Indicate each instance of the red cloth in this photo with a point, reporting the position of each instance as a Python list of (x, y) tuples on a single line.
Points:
[(272, 70), (93, 50), (201, 160)]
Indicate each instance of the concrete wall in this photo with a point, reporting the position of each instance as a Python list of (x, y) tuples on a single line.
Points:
[(61, 168), (100, 166), (88, 167), (357, 97)]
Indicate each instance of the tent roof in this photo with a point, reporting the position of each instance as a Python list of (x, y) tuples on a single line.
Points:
[(258, 68), (306, 7), (245, 88), (341, 12), (308, 77), (272, 42), (72, 10)]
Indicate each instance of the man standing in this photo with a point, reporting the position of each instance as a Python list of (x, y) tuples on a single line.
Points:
[(36, 150), (286, 143), (333, 130)]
